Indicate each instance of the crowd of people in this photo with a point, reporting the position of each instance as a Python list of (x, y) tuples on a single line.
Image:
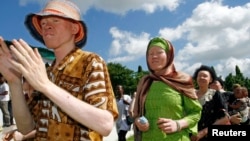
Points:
[(174, 109), (166, 98), (73, 99), (123, 123), (5, 103)]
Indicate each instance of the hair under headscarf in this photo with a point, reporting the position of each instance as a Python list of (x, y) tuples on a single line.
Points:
[(179, 81)]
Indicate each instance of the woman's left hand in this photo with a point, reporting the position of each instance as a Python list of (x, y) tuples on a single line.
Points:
[(167, 125)]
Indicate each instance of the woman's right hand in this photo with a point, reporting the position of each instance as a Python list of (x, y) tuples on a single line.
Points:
[(141, 126)]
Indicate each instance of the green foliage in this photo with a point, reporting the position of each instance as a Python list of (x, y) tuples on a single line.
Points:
[(130, 138), (237, 78), (228, 82), (139, 74), (121, 75), (129, 79)]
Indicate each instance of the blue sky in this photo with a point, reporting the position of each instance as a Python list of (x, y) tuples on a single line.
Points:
[(210, 32)]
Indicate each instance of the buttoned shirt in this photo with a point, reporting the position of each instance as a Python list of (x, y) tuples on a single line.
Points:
[(85, 76)]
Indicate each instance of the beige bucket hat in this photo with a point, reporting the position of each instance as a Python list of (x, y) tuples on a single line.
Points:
[(61, 8)]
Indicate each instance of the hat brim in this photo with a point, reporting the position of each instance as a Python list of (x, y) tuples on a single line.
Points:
[(32, 22)]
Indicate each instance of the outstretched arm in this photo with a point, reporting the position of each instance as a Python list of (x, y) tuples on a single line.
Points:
[(21, 112)]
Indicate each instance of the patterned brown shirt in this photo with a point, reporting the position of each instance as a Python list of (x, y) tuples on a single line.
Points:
[(84, 75)]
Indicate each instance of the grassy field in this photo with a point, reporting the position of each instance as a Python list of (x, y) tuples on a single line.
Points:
[(130, 138)]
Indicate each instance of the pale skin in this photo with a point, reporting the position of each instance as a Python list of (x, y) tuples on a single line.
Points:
[(17, 136), (27, 89), (203, 80), (237, 94), (157, 59), (217, 86), (59, 35)]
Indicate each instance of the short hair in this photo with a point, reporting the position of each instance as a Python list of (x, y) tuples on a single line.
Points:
[(205, 68), (219, 79), (244, 88), (236, 85)]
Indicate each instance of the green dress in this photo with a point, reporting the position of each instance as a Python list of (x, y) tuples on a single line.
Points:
[(165, 102)]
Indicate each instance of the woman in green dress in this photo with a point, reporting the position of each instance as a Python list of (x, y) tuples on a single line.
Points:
[(165, 97)]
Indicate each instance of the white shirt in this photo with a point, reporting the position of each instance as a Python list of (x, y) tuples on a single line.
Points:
[(121, 123), (5, 87)]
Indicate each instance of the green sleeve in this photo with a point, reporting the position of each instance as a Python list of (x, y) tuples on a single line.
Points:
[(192, 110)]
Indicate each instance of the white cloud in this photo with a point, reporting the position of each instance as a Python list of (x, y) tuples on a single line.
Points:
[(171, 33), (127, 44), (83, 5), (120, 6), (123, 6), (243, 64), (215, 34), (25, 2)]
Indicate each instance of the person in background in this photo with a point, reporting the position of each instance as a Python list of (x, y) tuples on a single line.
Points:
[(232, 98), (15, 135), (131, 106), (4, 101), (240, 105), (166, 106), (28, 90), (76, 96), (122, 123), (218, 85), (12, 120), (213, 108), (245, 93)]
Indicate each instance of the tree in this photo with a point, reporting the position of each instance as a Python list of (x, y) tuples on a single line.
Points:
[(238, 78), (228, 83), (120, 75), (140, 73)]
